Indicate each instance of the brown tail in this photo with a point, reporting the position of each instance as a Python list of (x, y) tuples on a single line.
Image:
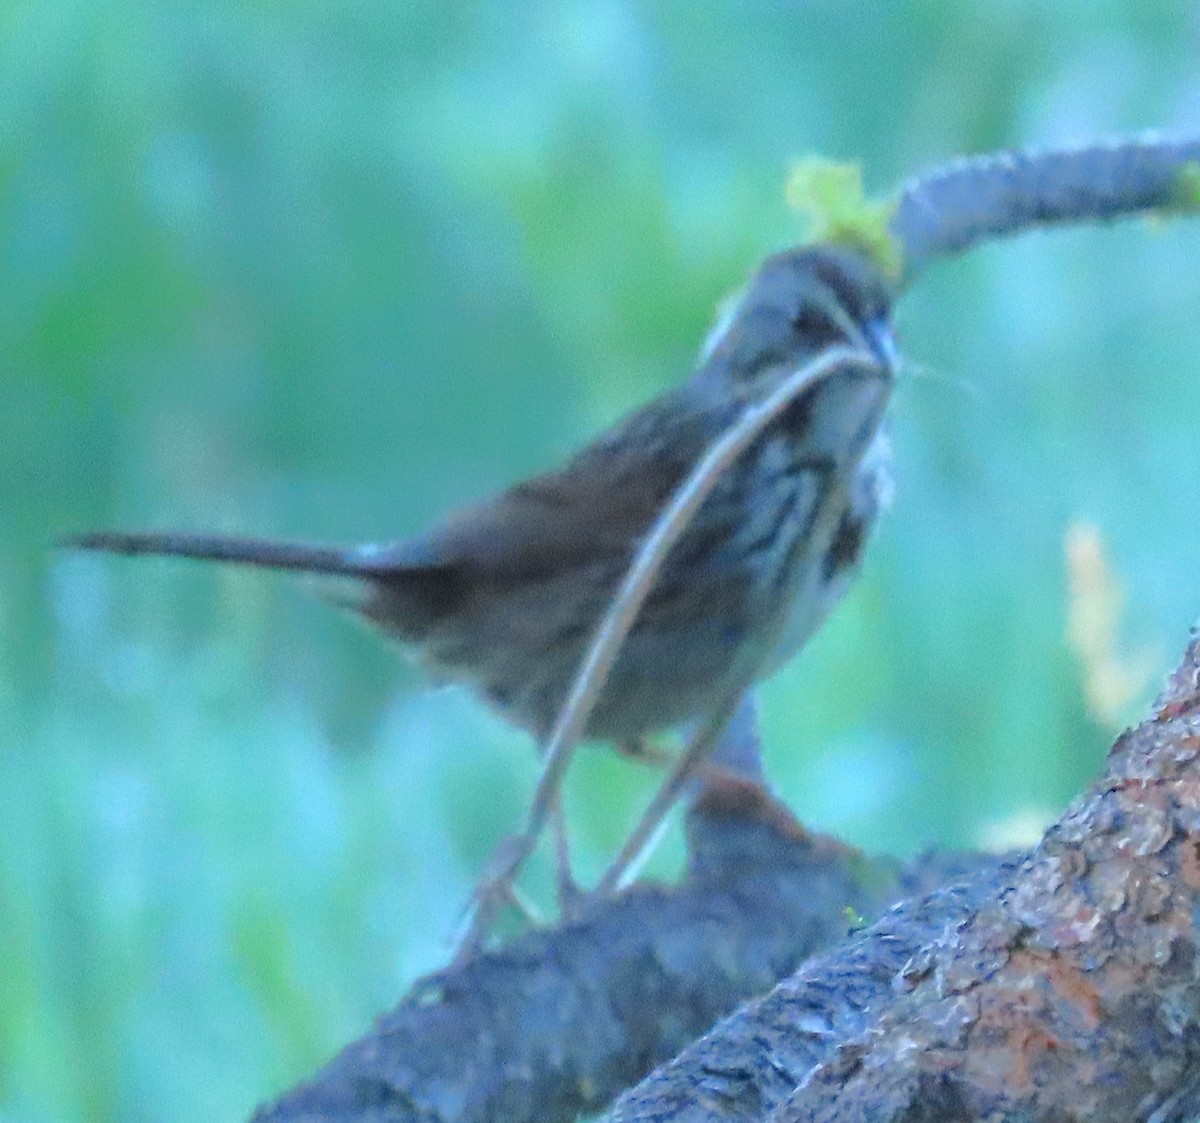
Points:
[(398, 587), (295, 556)]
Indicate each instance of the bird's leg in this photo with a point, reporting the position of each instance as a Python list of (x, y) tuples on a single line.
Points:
[(493, 892), (641, 840), (738, 751), (568, 888), (496, 887), (497, 890)]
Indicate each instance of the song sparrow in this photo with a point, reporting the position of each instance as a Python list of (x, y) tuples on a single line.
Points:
[(506, 594)]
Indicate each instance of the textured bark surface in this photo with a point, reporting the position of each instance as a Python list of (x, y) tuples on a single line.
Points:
[(562, 1020), (1063, 987)]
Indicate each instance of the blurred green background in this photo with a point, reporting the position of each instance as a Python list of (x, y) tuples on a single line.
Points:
[(327, 270)]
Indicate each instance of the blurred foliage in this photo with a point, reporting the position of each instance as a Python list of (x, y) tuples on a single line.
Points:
[(328, 270), (830, 197)]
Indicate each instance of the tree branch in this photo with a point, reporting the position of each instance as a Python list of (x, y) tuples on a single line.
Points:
[(959, 205), (1064, 989), (559, 1021)]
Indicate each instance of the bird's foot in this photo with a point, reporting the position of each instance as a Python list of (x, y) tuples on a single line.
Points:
[(495, 891)]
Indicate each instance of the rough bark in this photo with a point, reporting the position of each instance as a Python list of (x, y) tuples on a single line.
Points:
[(1063, 987), (561, 1020)]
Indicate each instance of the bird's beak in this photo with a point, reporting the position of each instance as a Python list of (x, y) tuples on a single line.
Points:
[(883, 343)]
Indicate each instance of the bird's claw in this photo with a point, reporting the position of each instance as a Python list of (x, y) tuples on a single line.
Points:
[(494, 891)]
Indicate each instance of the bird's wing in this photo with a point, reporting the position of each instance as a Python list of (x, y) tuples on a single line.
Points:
[(593, 508)]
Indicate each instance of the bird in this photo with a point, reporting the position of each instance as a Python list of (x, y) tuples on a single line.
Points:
[(505, 594)]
